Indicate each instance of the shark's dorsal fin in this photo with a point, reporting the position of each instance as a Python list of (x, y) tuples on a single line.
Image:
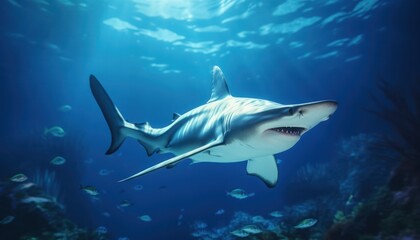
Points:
[(175, 116), (220, 89), (265, 168)]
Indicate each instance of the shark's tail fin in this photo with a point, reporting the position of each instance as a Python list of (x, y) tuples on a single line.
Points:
[(119, 127)]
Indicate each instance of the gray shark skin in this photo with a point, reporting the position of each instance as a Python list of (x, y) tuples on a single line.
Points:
[(225, 129)]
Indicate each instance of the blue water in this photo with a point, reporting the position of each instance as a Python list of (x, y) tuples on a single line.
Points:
[(155, 58)]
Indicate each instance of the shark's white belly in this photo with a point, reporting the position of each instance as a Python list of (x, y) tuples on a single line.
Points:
[(236, 151)]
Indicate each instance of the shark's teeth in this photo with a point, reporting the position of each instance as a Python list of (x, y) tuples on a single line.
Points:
[(295, 131)]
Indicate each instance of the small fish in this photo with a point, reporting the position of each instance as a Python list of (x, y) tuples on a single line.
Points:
[(55, 131), (307, 223), (239, 233), (25, 186), (219, 212), (239, 194), (145, 218), (125, 203), (58, 160), (276, 214), (104, 172), (138, 187), (64, 108), (91, 190), (36, 200), (257, 219), (252, 229), (7, 220), (20, 177)]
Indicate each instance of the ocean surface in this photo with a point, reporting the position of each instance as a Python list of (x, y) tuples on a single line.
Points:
[(155, 58)]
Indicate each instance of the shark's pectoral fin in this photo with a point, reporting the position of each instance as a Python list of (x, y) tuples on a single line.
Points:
[(172, 161), (265, 168)]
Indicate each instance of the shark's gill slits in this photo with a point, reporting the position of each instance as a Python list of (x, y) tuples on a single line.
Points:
[(295, 131)]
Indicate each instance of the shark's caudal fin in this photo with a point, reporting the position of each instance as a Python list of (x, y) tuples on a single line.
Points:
[(119, 127)]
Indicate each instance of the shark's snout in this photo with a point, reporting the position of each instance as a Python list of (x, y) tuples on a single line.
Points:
[(311, 114), (293, 121), (320, 108), (327, 108)]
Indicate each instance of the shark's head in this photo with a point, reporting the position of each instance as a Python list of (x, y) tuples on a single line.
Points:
[(271, 128)]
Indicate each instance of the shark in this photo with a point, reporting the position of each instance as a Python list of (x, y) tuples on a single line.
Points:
[(226, 129)]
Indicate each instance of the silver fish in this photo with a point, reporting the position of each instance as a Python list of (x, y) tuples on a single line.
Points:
[(64, 108), (145, 218), (7, 220), (55, 131), (91, 190), (58, 160), (306, 223), (252, 229), (20, 177), (239, 233), (239, 194)]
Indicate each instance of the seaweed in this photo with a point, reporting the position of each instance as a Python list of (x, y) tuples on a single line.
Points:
[(392, 211), (403, 114), (401, 111)]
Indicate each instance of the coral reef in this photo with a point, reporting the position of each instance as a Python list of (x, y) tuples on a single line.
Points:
[(362, 168), (32, 153), (402, 112), (268, 228), (348, 178), (37, 215), (360, 206), (354, 173), (380, 217)]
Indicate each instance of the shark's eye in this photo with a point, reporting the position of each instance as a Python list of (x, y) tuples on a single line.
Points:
[(292, 111), (300, 113)]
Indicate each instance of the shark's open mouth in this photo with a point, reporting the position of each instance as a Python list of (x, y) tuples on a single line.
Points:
[(294, 131)]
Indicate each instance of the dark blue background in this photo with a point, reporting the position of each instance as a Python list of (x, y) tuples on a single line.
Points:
[(35, 82)]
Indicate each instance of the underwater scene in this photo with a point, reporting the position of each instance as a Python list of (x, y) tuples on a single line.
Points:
[(209, 119)]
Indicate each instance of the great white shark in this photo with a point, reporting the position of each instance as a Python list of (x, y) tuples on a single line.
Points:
[(226, 129)]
